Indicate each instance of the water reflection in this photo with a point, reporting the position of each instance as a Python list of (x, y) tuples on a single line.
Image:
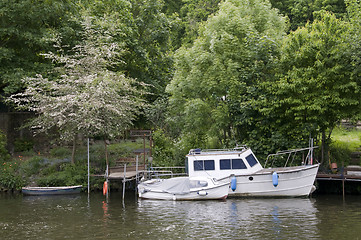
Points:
[(80, 217), (245, 218)]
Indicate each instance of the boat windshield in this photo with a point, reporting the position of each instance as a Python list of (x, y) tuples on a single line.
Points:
[(198, 183), (251, 160)]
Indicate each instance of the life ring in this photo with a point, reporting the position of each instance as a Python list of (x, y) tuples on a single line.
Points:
[(105, 188)]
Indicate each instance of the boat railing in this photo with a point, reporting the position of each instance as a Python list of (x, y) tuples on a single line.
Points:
[(210, 151), (291, 153), (157, 172)]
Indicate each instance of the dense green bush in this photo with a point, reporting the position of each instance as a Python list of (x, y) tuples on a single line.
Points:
[(9, 177), (166, 152), (60, 152), (67, 175), (4, 154), (23, 145), (31, 166), (339, 153)]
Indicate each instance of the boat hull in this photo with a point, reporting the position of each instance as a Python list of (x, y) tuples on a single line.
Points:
[(51, 190), (291, 182), (211, 192)]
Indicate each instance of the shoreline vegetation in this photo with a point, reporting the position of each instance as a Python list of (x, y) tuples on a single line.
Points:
[(270, 74), (54, 168)]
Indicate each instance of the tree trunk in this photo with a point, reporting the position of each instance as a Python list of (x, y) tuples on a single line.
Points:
[(74, 149)]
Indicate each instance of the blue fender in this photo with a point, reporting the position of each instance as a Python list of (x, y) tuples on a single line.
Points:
[(233, 183), (275, 179)]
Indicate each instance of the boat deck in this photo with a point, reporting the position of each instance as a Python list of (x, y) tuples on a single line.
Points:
[(284, 169)]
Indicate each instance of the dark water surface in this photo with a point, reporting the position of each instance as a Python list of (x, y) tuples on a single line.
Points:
[(77, 217)]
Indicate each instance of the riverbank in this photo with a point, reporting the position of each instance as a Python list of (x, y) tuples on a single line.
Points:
[(54, 168)]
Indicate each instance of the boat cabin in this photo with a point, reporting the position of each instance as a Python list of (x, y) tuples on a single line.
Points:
[(221, 163)]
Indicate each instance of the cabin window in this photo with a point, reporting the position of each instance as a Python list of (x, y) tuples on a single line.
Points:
[(201, 165), (232, 164), (225, 164), (238, 164), (251, 160), (198, 165), (209, 165)]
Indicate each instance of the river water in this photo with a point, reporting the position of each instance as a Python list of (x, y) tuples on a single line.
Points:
[(80, 217)]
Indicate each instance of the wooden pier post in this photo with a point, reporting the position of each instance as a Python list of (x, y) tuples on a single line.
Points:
[(124, 179), (343, 181), (88, 170), (136, 175)]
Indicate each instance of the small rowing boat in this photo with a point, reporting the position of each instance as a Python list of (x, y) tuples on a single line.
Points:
[(51, 190)]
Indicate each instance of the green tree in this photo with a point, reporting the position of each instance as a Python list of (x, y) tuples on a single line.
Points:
[(87, 96), (300, 12), (316, 89), (27, 29), (216, 80), (194, 13), (354, 36), (149, 58)]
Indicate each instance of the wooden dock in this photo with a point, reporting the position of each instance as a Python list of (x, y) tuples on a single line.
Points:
[(127, 169), (350, 174)]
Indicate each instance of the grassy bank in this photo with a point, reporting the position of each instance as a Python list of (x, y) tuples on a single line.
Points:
[(345, 141), (54, 168)]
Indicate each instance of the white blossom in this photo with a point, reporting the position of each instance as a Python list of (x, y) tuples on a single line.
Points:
[(86, 97)]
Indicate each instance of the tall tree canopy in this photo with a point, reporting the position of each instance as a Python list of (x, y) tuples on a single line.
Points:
[(300, 12), (216, 80), (27, 29), (86, 96), (316, 88), (354, 11)]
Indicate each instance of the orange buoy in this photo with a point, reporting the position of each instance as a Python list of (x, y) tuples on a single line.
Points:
[(105, 188)]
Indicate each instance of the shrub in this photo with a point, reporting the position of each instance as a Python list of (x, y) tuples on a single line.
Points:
[(23, 145), (9, 178), (31, 166), (67, 175), (60, 152), (4, 154)]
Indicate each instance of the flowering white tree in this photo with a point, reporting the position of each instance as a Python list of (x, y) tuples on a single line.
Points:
[(87, 96)]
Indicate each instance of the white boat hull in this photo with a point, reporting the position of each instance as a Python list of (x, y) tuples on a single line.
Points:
[(212, 191), (292, 182)]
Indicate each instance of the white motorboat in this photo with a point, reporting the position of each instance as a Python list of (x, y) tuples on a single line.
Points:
[(183, 188), (247, 176)]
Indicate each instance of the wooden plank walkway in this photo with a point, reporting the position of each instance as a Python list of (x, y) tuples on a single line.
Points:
[(351, 173), (128, 175), (131, 172), (337, 177)]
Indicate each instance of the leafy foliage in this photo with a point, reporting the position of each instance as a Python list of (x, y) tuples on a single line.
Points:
[(233, 78), (301, 12), (4, 154), (26, 30), (68, 175), (10, 179), (216, 80), (87, 96), (315, 84)]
